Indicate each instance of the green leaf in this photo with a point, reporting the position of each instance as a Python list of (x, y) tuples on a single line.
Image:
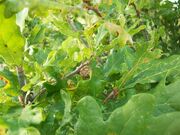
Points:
[(75, 52), (29, 131), (90, 120), (35, 116), (12, 7), (51, 58), (2, 84), (37, 7), (128, 45), (37, 34), (119, 61), (169, 94), (136, 30), (67, 111), (101, 34), (12, 86), (138, 114), (155, 71), (11, 40), (145, 53), (123, 35), (96, 83), (65, 28), (67, 100)]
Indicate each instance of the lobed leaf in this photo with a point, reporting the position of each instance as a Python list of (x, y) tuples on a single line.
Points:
[(138, 116)]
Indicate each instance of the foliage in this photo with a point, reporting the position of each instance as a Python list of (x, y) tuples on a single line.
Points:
[(144, 113), (82, 67)]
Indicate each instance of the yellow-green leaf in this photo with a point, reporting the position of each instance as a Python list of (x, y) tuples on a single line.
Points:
[(11, 40)]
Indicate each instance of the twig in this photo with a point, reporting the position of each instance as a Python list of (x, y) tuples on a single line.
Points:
[(88, 6), (114, 93), (76, 71), (22, 82), (21, 76), (138, 14), (87, 2), (95, 9), (137, 11)]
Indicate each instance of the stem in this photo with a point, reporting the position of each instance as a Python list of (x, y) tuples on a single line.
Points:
[(138, 14), (21, 76), (22, 82), (95, 9), (76, 71), (114, 93), (137, 11), (88, 6)]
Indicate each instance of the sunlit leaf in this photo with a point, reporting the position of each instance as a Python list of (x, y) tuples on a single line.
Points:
[(11, 40)]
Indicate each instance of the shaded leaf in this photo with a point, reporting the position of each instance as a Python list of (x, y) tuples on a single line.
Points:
[(119, 61), (155, 71), (136, 115)]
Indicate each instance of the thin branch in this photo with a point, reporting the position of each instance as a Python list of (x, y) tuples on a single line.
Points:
[(113, 94), (87, 2), (76, 71), (22, 82), (137, 11), (138, 14), (95, 9), (88, 6), (21, 76)]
